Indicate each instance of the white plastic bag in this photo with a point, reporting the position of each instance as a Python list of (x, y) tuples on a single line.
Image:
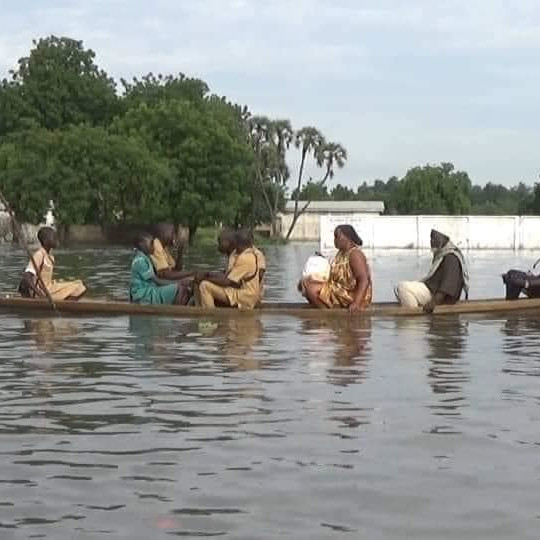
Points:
[(317, 268)]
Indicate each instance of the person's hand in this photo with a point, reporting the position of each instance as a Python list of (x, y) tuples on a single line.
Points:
[(429, 307), (355, 306), (199, 276)]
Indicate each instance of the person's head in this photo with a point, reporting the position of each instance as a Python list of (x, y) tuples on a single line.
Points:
[(226, 242), (346, 237), (143, 242), (165, 233), (48, 238), (438, 240), (244, 240)]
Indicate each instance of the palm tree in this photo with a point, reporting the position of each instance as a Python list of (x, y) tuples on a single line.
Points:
[(257, 130), (282, 134), (270, 141), (308, 140), (328, 155)]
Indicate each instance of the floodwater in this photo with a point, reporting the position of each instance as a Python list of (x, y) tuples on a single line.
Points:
[(271, 427)]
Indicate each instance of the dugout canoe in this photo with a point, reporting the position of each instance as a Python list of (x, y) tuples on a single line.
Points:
[(383, 309)]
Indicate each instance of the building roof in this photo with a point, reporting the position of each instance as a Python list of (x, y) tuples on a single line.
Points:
[(339, 207)]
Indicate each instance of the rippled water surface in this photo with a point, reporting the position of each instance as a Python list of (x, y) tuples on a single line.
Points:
[(271, 427)]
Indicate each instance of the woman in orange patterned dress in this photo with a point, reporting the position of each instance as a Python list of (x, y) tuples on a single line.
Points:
[(349, 285)]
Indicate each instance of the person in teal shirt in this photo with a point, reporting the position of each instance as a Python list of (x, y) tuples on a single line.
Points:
[(145, 287)]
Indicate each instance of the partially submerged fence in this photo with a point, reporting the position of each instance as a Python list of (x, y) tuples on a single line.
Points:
[(412, 232)]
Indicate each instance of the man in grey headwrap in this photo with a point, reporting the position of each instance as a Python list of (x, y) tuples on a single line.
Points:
[(446, 278)]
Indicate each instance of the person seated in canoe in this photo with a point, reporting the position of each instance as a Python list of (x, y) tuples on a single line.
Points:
[(145, 286), (349, 283), (226, 245), (261, 262), (43, 261), (232, 256), (517, 282), (239, 286), (446, 279), (165, 265)]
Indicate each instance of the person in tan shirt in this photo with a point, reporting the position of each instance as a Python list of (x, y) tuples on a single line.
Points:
[(43, 259), (261, 262), (239, 286), (166, 266)]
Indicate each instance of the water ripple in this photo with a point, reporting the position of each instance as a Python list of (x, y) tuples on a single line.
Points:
[(273, 427)]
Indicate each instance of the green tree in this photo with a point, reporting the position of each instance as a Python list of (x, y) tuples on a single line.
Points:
[(152, 89), (308, 140), (207, 152), (312, 191), (524, 195), (531, 205), (26, 167), (116, 178), (92, 176), (62, 85), (434, 190), (328, 156), (496, 199), (343, 193), (270, 141), (15, 111)]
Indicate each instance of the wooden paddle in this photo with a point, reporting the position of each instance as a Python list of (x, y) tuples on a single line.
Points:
[(17, 228)]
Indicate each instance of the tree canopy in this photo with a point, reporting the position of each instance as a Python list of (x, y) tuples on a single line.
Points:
[(434, 189), (60, 85), (207, 154), (164, 147)]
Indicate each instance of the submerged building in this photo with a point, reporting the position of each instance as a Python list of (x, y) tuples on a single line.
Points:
[(308, 225)]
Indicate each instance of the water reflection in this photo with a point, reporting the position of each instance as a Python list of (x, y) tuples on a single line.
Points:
[(50, 333), (255, 428), (348, 342), (240, 337), (446, 339), (448, 371), (152, 336), (521, 346), (230, 340)]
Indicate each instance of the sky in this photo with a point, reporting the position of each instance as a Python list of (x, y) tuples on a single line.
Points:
[(399, 84)]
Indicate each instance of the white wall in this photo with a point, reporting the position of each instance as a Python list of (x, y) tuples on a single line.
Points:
[(468, 232), (307, 227)]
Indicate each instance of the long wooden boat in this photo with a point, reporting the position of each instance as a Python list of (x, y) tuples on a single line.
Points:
[(384, 309)]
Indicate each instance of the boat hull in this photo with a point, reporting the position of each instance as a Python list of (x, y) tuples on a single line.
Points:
[(390, 309)]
